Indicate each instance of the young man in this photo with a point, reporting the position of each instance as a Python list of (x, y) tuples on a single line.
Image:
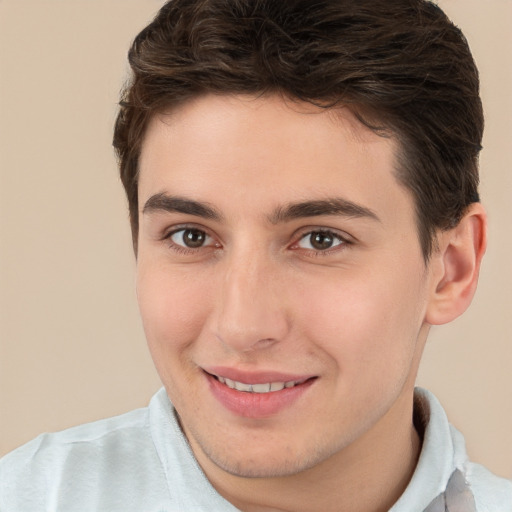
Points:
[(302, 183)]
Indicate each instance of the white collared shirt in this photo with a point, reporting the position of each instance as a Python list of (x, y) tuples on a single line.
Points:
[(141, 461)]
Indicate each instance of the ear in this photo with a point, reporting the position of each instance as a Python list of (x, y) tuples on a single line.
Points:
[(455, 266)]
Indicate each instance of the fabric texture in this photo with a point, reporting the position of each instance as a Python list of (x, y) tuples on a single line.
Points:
[(141, 461)]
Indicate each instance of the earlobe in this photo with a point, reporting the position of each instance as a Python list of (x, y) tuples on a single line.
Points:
[(456, 267)]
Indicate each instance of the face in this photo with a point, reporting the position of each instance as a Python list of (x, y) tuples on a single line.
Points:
[(280, 280)]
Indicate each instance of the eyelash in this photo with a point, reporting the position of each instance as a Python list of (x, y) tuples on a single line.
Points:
[(180, 249), (344, 241)]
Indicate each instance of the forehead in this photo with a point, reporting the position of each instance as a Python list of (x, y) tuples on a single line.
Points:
[(266, 151), (255, 118)]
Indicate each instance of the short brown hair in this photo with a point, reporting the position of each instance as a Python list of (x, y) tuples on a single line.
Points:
[(401, 66)]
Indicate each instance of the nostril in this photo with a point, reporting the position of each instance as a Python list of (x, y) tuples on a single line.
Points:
[(263, 343)]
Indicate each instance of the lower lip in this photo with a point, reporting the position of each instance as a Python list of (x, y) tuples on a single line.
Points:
[(256, 405)]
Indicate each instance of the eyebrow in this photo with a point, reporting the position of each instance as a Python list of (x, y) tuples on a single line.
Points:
[(331, 206), (166, 203), (316, 208)]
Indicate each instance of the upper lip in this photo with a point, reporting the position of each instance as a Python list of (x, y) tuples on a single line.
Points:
[(255, 377)]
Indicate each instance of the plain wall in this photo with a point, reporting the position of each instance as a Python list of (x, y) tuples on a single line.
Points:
[(72, 348)]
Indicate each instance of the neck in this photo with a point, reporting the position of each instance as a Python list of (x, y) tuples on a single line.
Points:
[(369, 475)]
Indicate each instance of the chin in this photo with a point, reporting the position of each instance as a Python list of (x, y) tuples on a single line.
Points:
[(249, 468), (270, 463)]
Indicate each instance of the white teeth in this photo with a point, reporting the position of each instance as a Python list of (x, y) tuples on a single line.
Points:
[(268, 387), (277, 386), (240, 386), (261, 388)]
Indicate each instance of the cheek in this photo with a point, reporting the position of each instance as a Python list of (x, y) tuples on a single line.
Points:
[(367, 323), (173, 307)]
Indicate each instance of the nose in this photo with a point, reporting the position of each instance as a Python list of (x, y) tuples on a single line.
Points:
[(251, 309)]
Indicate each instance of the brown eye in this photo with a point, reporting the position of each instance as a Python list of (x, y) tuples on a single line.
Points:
[(320, 240), (190, 238)]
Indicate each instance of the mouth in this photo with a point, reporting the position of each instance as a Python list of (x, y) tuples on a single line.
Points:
[(261, 388), (265, 395)]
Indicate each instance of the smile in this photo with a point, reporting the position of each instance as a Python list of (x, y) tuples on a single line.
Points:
[(267, 387), (266, 394)]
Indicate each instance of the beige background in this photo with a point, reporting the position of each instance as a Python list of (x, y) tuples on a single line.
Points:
[(72, 348)]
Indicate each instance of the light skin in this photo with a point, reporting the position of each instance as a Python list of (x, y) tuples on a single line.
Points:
[(275, 243)]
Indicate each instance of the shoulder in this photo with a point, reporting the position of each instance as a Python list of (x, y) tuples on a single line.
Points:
[(138, 461), (435, 484), (71, 461), (492, 493), (52, 448)]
